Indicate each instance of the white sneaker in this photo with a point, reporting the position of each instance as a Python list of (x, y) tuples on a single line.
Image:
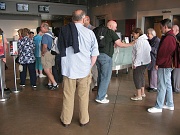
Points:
[(143, 95), (41, 75), (154, 110), (136, 98), (104, 101), (106, 95), (167, 107)]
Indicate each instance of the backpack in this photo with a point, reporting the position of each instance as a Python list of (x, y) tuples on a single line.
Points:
[(54, 49), (176, 56), (100, 33)]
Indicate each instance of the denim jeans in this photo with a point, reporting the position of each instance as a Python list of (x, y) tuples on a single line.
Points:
[(104, 66), (164, 88), (32, 73)]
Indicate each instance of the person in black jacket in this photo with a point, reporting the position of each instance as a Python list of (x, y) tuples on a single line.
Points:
[(152, 72), (56, 69)]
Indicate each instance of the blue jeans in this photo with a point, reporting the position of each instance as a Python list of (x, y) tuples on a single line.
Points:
[(104, 66), (164, 88)]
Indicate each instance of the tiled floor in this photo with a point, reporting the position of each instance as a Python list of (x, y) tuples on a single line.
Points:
[(36, 112)]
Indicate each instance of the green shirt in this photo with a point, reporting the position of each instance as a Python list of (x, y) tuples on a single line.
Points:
[(110, 39)]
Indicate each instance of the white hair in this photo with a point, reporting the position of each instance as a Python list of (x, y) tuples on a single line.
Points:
[(152, 31)]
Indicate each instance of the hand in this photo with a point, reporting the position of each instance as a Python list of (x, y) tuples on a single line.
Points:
[(134, 67), (133, 42), (156, 67), (42, 54), (115, 46)]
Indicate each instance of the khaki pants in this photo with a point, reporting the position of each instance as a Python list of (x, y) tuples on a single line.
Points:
[(69, 87)]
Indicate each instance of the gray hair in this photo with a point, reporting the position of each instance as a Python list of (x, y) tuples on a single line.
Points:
[(46, 25), (176, 27), (152, 31), (78, 15)]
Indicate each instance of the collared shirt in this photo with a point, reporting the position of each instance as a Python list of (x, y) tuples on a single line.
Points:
[(90, 27), (78, 65), (46, 39)]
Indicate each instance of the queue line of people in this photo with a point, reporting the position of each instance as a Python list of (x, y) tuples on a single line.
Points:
[(32, 55), (78, 58)]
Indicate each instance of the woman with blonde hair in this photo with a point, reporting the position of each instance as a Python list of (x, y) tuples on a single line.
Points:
[(27, 58)]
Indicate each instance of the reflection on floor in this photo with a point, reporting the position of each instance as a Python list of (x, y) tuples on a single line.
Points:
[(36, 112)]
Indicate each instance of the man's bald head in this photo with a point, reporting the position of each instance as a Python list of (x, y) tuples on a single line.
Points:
[(112, 25), (78, 15), (175, 29)]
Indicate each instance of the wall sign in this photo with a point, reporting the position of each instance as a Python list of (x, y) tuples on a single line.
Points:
[(2, 6), (22, 7), (43, 8)]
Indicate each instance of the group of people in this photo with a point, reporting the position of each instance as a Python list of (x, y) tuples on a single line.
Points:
[(167, 59), (34, 54), (149, 52), (84, 64)]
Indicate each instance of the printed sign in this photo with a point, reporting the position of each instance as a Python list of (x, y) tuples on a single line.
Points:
[(13, 48)]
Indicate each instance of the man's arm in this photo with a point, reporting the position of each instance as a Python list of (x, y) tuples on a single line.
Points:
[(93, 60), (44, 49), (123, 45)]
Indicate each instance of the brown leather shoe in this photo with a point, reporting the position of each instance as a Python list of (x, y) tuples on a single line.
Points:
[(65, 125), (95, 88), (82, 125)]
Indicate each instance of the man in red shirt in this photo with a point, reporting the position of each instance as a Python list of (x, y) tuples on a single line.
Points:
[(164, 63)]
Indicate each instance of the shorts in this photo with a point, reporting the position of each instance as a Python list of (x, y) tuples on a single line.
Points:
[(48, 60)]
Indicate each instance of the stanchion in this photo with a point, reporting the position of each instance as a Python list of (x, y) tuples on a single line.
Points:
[(3, 96), (15, 90)]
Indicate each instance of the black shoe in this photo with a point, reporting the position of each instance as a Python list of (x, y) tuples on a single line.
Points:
[(65, 125), (7, 89), (22, 85), (149, 88), (55, 87), (152, 90), (82, 125), (34, 86), (49, 86), (95, 88)]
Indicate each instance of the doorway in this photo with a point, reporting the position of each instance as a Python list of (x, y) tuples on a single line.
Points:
[(153, 22), (100, 20), (176, 20)]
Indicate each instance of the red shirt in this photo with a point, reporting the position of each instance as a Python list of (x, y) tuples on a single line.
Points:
[(166, 50)]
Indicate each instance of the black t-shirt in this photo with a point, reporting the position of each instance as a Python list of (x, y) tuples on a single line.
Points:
[(110, 39)]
